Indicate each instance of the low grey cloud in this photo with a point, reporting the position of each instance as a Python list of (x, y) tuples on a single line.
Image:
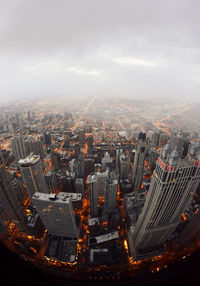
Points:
[(140, 49)]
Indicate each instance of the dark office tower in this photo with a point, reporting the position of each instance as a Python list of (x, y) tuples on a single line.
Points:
[(117, 161), (80, 168), (138, 164), (185, 148), (153, 156), (47, 138), (77, 149), (32, 174), (124, 166), (92, 181), (110, 194), (55, 160), (172, 187), (10, 201), (82, 137), (156, 138), (90, 141), (178, 142), (18, 147), (56, 213), (89, 166), (66, 139)]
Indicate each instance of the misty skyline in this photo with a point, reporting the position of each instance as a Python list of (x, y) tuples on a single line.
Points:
[(136, 49)]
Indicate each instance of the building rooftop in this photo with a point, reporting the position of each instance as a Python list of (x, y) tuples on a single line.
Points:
[(60, 198), (31, 159), (104, 238)]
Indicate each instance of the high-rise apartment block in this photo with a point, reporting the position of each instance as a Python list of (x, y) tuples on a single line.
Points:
[(89, 166), (138, 165), (110, 194), (82, 137), (32, 174), (18, 147), (101, 178), (124, 167), (92, 181), (47, 138)]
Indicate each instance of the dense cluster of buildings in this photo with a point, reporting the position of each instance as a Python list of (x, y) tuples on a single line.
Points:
[(90, 193)]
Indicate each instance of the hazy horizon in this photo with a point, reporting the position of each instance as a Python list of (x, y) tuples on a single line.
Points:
[(131, 49)]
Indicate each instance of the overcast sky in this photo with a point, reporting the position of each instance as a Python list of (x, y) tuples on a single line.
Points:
[(135, 48)]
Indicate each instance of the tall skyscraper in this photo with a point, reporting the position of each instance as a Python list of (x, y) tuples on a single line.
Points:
[(117, 161), (80, 166), (124, 166), (101, 178), (56, 213), (89, 166), (90, 141), (92, 181), (47, 138), (77, 149), (110, 194), (173, 184), (32, 174), (18, 147), (138, 164), (82, 137), (153, 156), (156, 138), (10, 200)]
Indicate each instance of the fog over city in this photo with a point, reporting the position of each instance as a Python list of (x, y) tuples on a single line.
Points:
[(136, 49), (99, 142)]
